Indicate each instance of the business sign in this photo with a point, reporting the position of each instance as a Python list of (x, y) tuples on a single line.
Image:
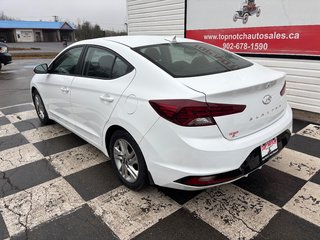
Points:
[(284, 27)]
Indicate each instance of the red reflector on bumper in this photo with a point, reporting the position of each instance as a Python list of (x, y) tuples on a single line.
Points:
[(207, 180)]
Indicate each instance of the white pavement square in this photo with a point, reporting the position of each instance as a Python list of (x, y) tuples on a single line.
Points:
[(45, 133), (22, 116), (18, 156), (76, 159), (306, 203), (295, 163), (311, 130), (129, 213), (233, 211), (38, 204), (7, 130)]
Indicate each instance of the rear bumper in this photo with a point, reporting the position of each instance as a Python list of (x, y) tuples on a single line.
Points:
[(5, 58), (172, 155), (252, 163)]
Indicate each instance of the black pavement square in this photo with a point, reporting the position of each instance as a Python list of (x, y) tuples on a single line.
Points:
[(81, 224), (59, 144), (316, 178), (12, 141), (181, 225), (179, 196), (305, 145), (16, 109), (26, 176), (273, 185), (285, 225), (28, 124), (94, 181), (3, 229), (4, 121), (299, 125)]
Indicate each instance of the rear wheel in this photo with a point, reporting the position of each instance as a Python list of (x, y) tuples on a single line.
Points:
[(0, 66), (245, 18), (40, 108), (127, 159), (258, 12)]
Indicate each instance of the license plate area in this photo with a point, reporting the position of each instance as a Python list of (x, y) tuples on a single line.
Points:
[(269, 148)]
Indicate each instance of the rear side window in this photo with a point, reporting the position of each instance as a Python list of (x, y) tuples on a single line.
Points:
[(192, 59), (102, 63)]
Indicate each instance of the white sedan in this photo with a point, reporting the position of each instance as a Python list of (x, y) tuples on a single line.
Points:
[(172, 112)]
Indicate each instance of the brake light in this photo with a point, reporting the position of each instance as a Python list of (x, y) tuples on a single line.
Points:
[(192, 113), (283, 90)]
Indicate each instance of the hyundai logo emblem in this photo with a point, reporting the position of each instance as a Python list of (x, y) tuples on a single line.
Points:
[(266, 99)]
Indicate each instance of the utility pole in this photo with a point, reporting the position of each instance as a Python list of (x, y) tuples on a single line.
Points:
[(126, 24), (55, 18)]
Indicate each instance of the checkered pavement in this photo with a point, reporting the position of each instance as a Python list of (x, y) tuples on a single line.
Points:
[(56, 186)]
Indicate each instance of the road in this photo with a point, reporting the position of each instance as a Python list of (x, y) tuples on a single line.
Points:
[(36, 47), (15, 81)]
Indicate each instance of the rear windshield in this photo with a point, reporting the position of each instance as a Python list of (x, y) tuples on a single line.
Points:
[(192, 59)]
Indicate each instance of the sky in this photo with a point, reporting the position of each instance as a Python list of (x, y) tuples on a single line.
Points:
[(109, 14)]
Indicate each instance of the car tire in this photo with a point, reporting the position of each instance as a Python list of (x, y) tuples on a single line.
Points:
[(258, 12), (40, 108), (245, 18), (128, 161), (0, 66), (235, 17)]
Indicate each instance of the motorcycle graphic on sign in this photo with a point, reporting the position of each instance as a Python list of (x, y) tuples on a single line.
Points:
[(247, 8)]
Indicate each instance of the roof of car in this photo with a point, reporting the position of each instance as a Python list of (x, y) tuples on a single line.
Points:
[(138, 41)]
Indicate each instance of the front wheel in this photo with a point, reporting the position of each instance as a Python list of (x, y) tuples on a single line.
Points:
[(40, 108), (235, 17), (245, 18), (127, 159)]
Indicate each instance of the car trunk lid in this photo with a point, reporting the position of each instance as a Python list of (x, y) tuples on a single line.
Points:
[(256, 87)]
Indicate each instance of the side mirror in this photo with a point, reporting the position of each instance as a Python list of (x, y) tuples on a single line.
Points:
[(41, 69)]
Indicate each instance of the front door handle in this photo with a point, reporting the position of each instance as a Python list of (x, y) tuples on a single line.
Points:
[(106, 98)]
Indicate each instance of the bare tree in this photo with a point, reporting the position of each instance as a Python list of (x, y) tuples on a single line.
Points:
[(5, 17)]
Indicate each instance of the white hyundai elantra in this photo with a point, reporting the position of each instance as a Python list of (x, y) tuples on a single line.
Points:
[(172, 112)]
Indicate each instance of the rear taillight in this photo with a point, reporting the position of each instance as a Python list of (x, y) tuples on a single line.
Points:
[(283, 90), (192, 113)]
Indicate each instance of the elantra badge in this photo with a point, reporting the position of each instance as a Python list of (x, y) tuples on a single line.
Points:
[(266, 99)]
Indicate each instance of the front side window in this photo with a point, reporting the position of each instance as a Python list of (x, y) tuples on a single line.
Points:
[(192, 59), (101, 63), (66, 64)]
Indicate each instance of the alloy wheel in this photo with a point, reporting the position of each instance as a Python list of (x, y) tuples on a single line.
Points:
[(39, 106), (126, 160)]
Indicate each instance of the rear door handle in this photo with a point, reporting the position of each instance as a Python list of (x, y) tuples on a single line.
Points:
[(106, 98), (65, 90)]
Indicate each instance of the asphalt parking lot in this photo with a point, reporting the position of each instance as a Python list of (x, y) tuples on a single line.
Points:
[(15, 80), (56, 186)]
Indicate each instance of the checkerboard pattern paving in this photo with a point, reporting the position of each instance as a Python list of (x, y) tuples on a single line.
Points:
[(54, 185)]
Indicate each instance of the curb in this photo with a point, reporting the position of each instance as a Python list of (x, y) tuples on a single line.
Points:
[(23, 55)]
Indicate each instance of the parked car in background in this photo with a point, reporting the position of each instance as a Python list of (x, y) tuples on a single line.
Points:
[(5, 57), (174, 112)]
